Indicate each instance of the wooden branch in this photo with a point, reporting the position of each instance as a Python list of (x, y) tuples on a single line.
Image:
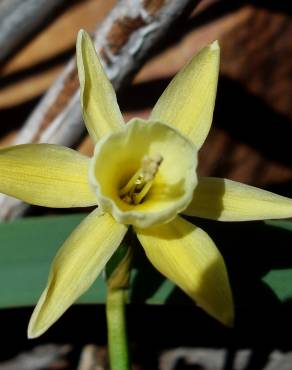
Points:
[(93, 357), (124, 39), (46, 356), (19, 19)]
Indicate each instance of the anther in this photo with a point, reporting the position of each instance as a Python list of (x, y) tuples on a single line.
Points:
[(140, 183)]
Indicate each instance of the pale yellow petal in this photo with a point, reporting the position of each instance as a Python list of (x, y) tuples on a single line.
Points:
[(173, 186), (75, 267), (188, 102), (46, 175), (100, 109), (186, 255), (226, 200)]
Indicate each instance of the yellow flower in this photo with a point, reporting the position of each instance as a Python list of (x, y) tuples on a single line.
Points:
[(142, 174)]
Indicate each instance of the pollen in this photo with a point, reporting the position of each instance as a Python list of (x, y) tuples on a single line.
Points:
[(140, 183)]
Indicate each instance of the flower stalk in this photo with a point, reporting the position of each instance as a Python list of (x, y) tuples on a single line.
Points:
[(117, 330), (118, 276)]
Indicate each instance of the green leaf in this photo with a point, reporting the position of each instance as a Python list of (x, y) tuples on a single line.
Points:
[(28, 245), (280, 280)]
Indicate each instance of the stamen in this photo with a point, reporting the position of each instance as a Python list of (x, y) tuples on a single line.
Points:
[(140, 183)]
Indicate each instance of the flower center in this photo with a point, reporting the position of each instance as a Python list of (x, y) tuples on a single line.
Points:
[(140, 183), (144, 174)]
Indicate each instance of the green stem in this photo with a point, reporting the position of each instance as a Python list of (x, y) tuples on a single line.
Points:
[(117, 333)]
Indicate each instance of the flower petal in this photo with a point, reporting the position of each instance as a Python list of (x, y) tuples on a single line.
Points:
[(188, 102), (100, 109), (75, 267), (186, 255), (226, 200), (173, 186), (46, 175)]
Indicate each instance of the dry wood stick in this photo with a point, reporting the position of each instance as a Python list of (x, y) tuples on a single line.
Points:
[(18, 19), (124, 39)]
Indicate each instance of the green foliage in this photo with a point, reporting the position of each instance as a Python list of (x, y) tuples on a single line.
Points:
[(27, 246)]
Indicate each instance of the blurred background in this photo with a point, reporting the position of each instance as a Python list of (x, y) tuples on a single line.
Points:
[(250, 141)]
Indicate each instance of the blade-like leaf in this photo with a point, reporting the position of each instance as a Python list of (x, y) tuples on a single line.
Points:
[(27, 247)]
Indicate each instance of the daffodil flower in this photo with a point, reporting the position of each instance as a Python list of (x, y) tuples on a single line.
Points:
[(142, 174)]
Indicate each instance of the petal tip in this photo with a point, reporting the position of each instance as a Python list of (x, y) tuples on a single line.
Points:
[(228, 321), (81, 33), (227, 316), (80, 36), (31, 335), (37, 325), (32, 331), (215, 46)]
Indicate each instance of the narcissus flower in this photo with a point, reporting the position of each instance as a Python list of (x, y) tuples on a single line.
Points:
[(142, 174)]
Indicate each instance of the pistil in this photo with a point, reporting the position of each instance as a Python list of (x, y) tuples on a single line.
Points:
[(140, 183)]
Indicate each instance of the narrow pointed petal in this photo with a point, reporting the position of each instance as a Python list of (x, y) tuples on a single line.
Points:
[(186, 255), (227, 200), (100, 109), (188, 102), (46, 175), (75, 267)]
